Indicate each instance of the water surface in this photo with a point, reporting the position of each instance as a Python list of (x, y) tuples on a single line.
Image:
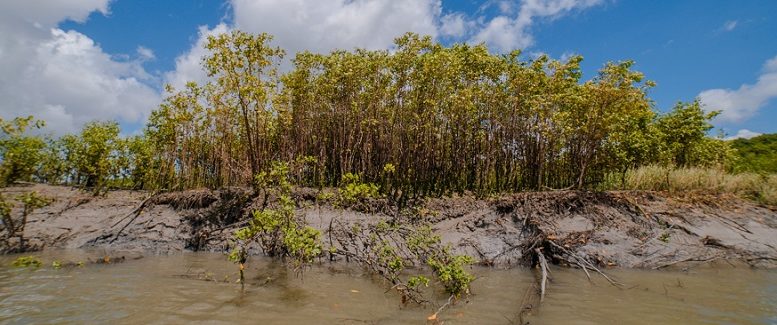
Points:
[(200, 288)]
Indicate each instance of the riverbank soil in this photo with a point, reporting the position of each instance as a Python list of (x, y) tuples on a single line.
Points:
[(625, 229)]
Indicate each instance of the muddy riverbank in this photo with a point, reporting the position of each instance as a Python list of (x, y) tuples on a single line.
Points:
[(624, 229)]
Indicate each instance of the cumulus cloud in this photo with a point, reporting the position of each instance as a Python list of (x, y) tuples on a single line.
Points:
[(325, 25), (506, 33), (737, 105), (455, 25), (63, 76), (188, 67), (743, 134)]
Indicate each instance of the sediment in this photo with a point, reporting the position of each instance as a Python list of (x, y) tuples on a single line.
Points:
[(623, 229)]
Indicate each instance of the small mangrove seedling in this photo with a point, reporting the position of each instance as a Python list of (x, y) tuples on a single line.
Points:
[(56, 265), (278, 230), (664, 237)]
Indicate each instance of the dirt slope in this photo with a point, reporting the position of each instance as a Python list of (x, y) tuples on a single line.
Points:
[(628, 229)]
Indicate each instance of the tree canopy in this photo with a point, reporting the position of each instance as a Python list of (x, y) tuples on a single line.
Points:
[(421, 119), (758, 154)]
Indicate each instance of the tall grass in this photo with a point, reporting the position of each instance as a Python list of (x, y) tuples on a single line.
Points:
[(762, 188)]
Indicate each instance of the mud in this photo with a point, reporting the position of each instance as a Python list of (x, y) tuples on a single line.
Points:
[(625, 229)]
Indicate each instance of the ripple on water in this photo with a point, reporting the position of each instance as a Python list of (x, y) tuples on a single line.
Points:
[(152, 290)]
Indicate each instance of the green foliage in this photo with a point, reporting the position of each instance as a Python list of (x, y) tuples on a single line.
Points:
[(450, 271), (93, 153), (5, 215), (277, 230), (15, 228), (352, 190), (27, 261), (423, 119), (20, 152), (31, 201), (684, 137), (758, 154), (54, 164), (417, 281), (244, 67)]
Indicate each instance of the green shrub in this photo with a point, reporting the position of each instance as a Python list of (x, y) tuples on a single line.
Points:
[(20, 153), (277, 230), (352, 190)]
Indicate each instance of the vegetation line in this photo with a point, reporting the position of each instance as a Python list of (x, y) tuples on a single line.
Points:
[(423, 119)]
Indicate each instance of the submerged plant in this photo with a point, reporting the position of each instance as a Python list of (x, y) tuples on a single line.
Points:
[(391, 249), (27, 261)]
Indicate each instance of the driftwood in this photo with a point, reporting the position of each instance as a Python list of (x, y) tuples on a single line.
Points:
[(544, 268), (584, 262)]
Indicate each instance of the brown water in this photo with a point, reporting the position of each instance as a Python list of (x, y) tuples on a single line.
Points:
[(171, 290)]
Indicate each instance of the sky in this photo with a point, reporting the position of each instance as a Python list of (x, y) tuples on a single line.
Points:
[(73, 61)]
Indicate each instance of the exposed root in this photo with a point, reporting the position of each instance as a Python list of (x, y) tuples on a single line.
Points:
[(134, 214), (577, 259), (544, 269), (186, 200)]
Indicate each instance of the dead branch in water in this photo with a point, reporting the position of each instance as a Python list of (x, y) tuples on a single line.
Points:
[(580, 260), (433, 317), (544, 267), (526, 304)]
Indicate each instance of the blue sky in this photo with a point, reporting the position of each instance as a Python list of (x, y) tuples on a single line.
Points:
[(108, 59)]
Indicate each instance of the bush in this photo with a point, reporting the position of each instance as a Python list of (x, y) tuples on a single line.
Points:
[(277, 230), (20, 153), (353, 191)]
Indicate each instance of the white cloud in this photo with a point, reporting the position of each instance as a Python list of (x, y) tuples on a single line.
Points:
[(47, 13), (506, 7), (188, 67), (62, 76), (454, 25), (145, 53), (324, 25), (505, 33), (743, 134), (730, 25), (742, 103)]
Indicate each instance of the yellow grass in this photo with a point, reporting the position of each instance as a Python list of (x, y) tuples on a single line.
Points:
[(762, 188)]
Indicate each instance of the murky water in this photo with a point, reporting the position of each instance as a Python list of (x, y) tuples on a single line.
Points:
[(174, 290)]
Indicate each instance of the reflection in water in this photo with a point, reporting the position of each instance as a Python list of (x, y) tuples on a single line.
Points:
[(173, 289)]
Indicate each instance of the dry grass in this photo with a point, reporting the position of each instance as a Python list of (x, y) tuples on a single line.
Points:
[(762, 188)]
